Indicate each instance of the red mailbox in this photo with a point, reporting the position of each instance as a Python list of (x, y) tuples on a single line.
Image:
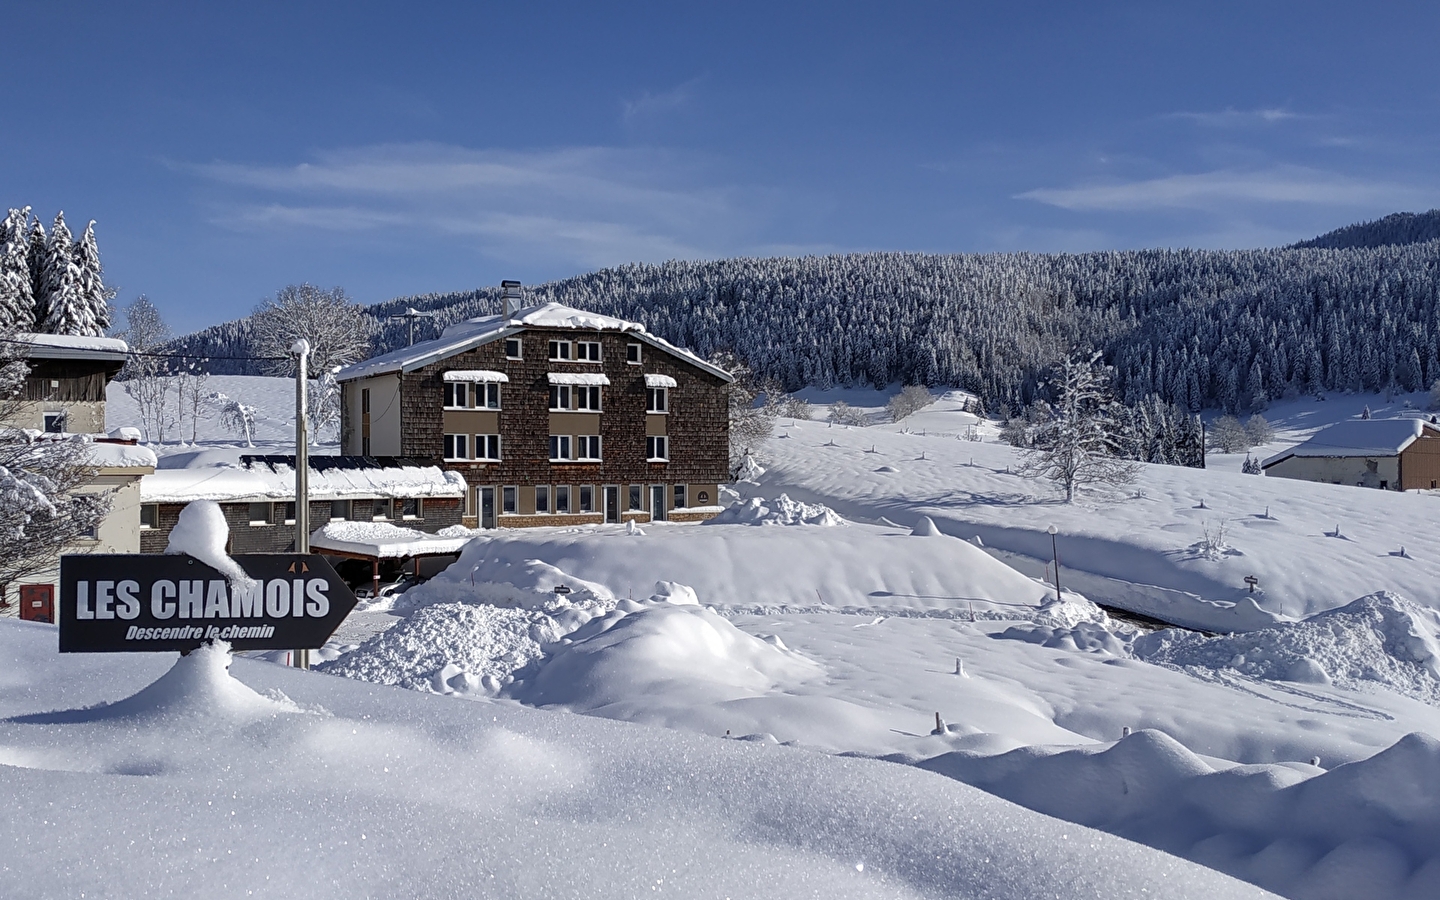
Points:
[(37, 602)]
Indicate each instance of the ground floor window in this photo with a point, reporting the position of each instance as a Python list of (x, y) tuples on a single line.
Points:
[(562, 498), (508, 503), (412, 508), (339, 510), (637, 494), (587, 498), (260, 514), (679, 497), (542, 498), (150, 515)]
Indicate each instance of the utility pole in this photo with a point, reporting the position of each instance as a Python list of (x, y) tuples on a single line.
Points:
[(411, 315), (301, 349), (1055, 553)]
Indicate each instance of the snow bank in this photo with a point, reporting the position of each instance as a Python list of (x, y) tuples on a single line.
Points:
[(202, 532), (1378, 639), (780, 511), (1366, 829)]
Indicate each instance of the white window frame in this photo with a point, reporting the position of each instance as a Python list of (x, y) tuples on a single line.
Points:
[(588, 352), (482, 445), (555, 347), (455, 441), (387, 503), (582, 394), (652, 441), (543, 491), (634, 355), (565, 444), (519, 348), (585, 498), (562, 490), (486, 395), (453, 391), (584, 443), (660, 393), (512, 491), (562, 394)]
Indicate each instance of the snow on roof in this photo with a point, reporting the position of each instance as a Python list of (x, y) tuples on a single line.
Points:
[(659, 381), (577, 378), (276, 481), (69, 346), (106, 455), (381, 539), (481, 375), (1357, 437), (472, 333)]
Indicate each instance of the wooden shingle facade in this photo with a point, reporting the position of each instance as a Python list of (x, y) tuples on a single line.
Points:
[(553, 416)]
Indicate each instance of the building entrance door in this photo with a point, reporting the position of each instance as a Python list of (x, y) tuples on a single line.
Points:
[(612, 503), (487, 507), (657, 502)]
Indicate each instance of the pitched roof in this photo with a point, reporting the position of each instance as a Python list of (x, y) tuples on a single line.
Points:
[(472, 333), (67, 346), (1358, 438)]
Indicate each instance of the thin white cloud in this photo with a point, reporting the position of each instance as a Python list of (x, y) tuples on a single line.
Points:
[(648, 104), (1222, 189), (586, 205), (1231, 118)]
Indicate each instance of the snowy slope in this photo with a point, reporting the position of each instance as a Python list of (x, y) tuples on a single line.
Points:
[(273, 398), (200, 786)]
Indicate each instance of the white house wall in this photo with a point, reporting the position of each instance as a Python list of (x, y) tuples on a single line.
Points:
[(1355, 470), (384, 415)]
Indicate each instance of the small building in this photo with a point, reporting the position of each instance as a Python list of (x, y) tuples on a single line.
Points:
[(258, 498), (1389, 454), (65, 390), (552, 415)]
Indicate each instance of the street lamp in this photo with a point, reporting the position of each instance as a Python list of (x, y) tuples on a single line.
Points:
[(1055, 554)]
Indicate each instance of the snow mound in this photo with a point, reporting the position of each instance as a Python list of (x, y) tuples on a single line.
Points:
[(202, 532), (197, 689), (1366, 829), (925, 528), (451, 648), (686, 652), (749, 471), (1379, 639), (780, 511), (1090, 637)]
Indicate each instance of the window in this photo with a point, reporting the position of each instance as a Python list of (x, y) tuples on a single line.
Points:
[(150, 515), (657, 448), (365, 401), (507, 499), (381, 508), (560, 448), (587, 446), (587, 397), (559, 396), (562, 498), (587, 498), (412, 508), (512, 348), (655, 399), (632, 354), (260, 514), (560, 350), (457, 395), (290, 513), (457, 446), (635, 497), (679, 497), (339, 510), (587, 351), (54, 423), (542, 499), (487, 446), (487, 395)]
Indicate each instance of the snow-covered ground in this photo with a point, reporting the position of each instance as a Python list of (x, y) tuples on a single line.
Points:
[(1296, 753), (273, 399)]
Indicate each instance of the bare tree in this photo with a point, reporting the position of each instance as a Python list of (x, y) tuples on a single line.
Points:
[(236, 416), (43, 508), (793, 407), (338, 330), (842, 413), (1228, 436), (1258, 430), (1077, 446), (910, 400), (750, 424), (192, 400), (146, 377)]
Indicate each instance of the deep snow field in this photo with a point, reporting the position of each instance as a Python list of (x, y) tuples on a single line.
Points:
[(1293, 750)]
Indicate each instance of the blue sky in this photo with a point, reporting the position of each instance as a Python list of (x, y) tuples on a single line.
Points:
[(229, 149)]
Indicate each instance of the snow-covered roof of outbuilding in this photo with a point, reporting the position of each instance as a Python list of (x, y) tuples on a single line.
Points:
[(472, 333), (69, 346), (383, 541), (260, 478), (1358, 437)]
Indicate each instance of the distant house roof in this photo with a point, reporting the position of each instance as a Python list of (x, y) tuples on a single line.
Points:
[(1358, 437), (260, 478), (382, 540), (67, 346), (472, 333)]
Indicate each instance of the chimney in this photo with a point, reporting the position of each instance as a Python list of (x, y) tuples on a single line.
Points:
[(510, 293)]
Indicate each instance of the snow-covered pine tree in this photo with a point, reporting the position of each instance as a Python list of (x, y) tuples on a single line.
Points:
[(35, 247), (17, 299), (65, 312), (93, 296)]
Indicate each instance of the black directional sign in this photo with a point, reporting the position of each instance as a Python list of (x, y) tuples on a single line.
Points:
[(136, 603)]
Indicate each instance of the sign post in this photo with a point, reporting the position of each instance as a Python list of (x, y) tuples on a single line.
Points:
[(118, 603)]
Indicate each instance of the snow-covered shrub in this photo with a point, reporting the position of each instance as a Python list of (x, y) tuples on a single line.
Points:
[(912, 399), (1258, 430), (842, 413), (1228, 436)]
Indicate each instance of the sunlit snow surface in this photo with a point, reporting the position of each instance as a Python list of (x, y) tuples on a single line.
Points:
[(203, 787)]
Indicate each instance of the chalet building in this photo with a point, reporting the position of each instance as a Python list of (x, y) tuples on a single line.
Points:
[(553, 416), (1389, 454), (64, 399), (258, 498)]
